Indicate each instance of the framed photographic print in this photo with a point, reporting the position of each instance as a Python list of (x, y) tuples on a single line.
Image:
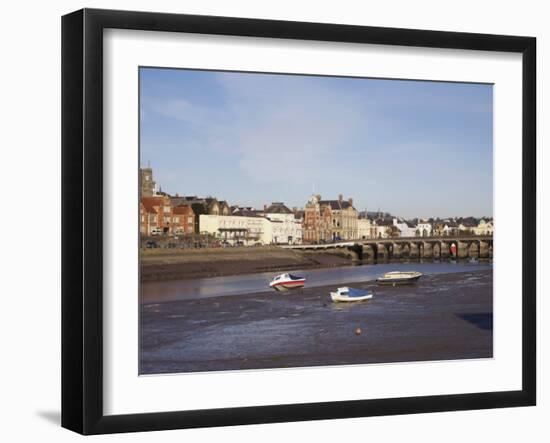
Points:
[(269, 221)]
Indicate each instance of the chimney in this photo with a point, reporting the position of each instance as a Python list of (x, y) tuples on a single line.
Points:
[(340, 197), (265, 209), (350, 200)]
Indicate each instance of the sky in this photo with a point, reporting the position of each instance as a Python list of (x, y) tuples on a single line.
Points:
[(411, 148)]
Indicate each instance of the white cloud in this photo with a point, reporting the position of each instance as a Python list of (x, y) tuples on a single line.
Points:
[(287, 128)]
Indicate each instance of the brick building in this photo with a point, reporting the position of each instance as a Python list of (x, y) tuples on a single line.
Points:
[(159, 216), (183, 220), (316, 222), (199, 205)]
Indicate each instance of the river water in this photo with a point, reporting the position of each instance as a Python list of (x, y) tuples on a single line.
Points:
[(173, 290)]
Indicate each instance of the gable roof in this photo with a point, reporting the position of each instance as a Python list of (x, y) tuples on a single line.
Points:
[(182, 210), (148, 205)]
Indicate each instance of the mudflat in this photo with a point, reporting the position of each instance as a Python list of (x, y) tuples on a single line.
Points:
[(177, 264), (442, 317)]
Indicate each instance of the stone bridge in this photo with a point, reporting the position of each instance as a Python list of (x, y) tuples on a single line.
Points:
[(412, 247)]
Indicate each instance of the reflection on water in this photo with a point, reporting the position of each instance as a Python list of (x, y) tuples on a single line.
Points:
[(253, 283)]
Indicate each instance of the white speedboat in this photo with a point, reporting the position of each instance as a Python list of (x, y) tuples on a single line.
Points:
[(285, 282), (345, 294), (399, 277)]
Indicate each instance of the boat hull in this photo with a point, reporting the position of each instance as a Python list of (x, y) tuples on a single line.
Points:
[(398, 281), (337, 298), (288, 286)]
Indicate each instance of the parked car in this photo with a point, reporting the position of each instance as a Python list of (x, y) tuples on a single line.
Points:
[(151, 244), (156, 231)]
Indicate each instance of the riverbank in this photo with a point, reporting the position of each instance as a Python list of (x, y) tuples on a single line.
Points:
[(442, 317), (180, 264)]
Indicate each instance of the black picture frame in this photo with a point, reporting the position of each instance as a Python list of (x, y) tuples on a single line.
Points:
[(82, 218)]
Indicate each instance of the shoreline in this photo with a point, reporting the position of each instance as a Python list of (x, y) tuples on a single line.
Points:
[(171, 266), (369, 284), (237, 261)]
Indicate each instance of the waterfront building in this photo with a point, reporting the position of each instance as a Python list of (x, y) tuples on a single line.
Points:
[(158, 216), (285, 229), (344, 218), (183, 220), (278, 211), (235, 229), (147, 218), (484, 227), (467, 227), (424, 228), (384, 227), (364, 228), (445, 228), (317, 220), (162, 214), (200, 205), (406, 229)]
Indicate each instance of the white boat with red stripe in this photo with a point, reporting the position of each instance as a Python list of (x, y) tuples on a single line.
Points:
[(286, 282)]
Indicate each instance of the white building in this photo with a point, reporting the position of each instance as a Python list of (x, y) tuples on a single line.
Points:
[(364, 229), (424, 228), (407, 229), (484, 228), (237, 229), (249, 231), (285, 229)]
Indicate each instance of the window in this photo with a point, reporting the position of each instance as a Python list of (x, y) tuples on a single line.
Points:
[(167, 209)]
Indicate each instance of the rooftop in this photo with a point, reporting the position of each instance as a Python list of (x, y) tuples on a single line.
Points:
[(277, 208)]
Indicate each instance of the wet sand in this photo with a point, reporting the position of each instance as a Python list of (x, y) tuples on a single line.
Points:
[(442, 317), (179, 264)]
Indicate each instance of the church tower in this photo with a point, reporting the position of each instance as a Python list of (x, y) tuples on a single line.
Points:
[(147, 185)]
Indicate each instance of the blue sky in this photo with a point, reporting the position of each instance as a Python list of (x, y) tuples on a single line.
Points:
[(411, 148)]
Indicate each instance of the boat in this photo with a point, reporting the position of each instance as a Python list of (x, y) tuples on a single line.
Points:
[(285, 282), (345, 294), (399, 278)]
